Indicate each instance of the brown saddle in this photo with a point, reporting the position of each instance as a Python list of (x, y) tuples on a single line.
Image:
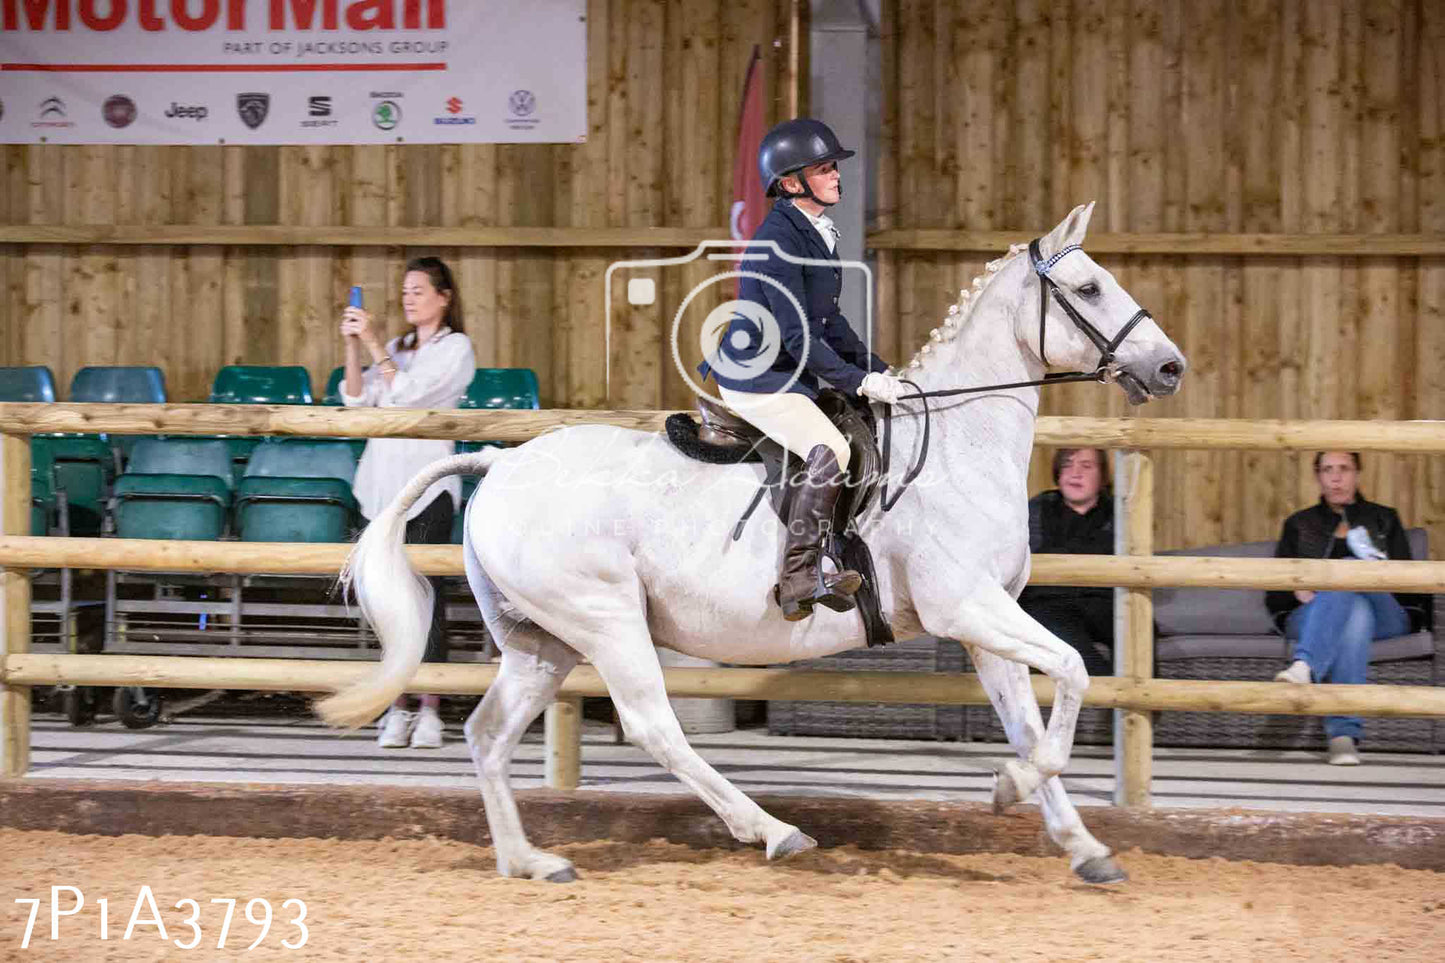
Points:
[(722, 437)]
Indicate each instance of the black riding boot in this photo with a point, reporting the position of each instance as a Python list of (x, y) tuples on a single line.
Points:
[(803, 584)]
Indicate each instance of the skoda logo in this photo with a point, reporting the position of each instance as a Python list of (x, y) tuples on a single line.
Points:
[(386, 114), (522, 102)]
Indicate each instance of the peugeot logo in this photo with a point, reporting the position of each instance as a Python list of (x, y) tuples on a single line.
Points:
[(253, 108)]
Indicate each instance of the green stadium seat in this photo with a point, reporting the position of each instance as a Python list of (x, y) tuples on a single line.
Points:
[(261, 384), (83, 466), (333, 386), (333, 398), (297, 491), (174, 488), (493, 388), (258, 384), (29, 383), (42, 501), (503, 388)]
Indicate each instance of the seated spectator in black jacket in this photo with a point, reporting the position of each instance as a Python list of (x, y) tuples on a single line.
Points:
[(1333, 630), (1077, 518)]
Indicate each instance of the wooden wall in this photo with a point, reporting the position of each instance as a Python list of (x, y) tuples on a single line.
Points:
[(664, 86), (1256, 116), (1294, 117)]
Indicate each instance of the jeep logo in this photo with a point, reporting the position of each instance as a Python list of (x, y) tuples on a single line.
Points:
[(186, 111)]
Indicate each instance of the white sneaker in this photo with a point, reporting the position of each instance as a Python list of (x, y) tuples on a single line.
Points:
[(1298, 673), (396, 728), (1342, 752), (428, 731)]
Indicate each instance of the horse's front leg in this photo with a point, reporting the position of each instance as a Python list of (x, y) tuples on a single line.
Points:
[(989, 619)]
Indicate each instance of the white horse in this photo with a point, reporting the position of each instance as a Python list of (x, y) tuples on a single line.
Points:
[(599, 543)]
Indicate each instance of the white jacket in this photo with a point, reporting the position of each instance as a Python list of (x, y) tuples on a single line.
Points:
[(436, 375)]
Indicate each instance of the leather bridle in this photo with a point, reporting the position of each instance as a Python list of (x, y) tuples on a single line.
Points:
[(1108, 349)]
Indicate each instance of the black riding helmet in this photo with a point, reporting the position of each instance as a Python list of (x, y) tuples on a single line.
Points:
[(793, 145)]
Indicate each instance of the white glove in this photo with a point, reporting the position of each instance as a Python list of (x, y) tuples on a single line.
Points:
[(1359, 541), (882, 387)]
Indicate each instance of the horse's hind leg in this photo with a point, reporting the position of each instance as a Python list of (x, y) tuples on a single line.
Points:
[(1007, 684), (610, 630), (534, 664)]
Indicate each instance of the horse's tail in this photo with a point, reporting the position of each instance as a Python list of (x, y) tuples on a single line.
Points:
[(394, 599)]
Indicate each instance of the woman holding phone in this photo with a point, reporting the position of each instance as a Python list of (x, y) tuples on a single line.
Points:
[(430, 366)]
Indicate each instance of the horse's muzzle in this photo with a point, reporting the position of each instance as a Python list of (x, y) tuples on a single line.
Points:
[(1153, 379)]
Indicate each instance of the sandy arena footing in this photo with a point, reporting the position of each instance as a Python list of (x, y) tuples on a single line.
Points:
[(87, 807)]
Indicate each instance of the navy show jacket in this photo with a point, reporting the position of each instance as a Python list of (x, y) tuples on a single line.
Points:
[(834, 352)]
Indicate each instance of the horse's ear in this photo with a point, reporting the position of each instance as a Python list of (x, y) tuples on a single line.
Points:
[(1071, 230)]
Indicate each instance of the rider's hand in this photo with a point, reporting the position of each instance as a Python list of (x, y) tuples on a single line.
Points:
[(882, 387)]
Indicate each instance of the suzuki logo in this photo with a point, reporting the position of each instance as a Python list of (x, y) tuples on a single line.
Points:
[(454, 105)]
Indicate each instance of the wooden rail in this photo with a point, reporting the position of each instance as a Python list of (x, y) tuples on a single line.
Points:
[(1187, 243), (1416, 437), (1191, 243), (300, 675), (1136, 571)]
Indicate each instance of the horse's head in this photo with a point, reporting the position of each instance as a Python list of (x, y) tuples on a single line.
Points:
[(1084, 319)]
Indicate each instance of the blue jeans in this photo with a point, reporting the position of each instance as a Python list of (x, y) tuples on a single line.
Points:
[(1333, 632)]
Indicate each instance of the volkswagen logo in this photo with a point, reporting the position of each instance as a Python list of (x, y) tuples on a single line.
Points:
[(522, 103)]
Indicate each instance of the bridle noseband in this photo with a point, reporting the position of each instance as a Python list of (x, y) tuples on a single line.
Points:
[(1047, 286), (1107, 352)]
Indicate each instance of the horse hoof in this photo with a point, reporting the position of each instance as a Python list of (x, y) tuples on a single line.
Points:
[(1101, 869), (1005, 790), (796, 842), (567, 875)]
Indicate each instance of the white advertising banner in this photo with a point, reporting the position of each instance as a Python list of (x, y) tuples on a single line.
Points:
[(293, 71)]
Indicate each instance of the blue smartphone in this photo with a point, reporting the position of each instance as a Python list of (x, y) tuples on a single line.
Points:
[(356, 296)]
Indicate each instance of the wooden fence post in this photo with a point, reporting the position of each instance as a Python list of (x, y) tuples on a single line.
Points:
[(563, 742), (1133, 626), (14, 605)]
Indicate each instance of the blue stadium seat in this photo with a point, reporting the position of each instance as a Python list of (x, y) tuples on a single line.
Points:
[(30, 383), (119, 385)]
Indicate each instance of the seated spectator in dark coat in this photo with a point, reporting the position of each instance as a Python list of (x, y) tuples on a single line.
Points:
[(1332, 631), (1077, 518)]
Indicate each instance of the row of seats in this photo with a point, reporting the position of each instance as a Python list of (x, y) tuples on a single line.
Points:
[(256, 489), (240, 384)]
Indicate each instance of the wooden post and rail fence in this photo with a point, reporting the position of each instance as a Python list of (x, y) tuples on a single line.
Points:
[(1134, 571)]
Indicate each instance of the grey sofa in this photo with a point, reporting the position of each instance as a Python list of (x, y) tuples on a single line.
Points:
[(1228, 634)]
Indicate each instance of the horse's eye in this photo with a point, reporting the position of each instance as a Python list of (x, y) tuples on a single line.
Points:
[(1089, 290)]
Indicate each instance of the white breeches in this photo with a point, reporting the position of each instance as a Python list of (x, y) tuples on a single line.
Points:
[(791, 419)]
